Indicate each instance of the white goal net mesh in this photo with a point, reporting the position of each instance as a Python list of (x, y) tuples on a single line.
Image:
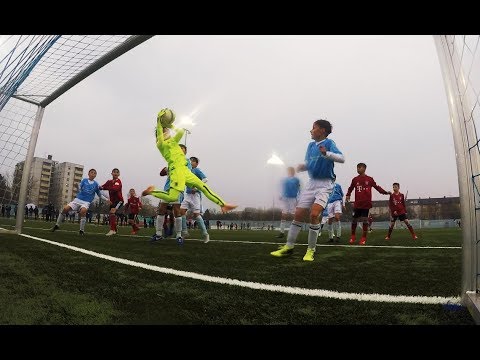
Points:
[(34, 71)]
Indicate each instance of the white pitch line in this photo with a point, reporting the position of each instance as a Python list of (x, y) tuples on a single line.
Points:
[(268, 287), (282, 243), (339, 245)]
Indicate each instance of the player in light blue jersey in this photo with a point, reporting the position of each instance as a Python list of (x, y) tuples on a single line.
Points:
[(334, 207), (319, 162), (86, 193), (193, 200), (290, 190)]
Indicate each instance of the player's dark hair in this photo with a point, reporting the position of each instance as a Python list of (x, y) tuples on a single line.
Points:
[(194, 158), (362, 164), (115, 169), (183, 146), (92, 169), (324, 124), (396, 184)]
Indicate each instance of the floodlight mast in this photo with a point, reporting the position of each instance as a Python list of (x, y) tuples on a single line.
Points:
[(274, 160)]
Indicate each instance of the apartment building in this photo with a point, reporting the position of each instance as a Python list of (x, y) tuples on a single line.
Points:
[(50, 181), (39, 183), (66, 177)]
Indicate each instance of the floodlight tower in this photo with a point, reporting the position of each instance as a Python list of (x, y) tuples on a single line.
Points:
[(276, 161)]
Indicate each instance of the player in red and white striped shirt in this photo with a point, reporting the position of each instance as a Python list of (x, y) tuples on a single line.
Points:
[(398, 210)]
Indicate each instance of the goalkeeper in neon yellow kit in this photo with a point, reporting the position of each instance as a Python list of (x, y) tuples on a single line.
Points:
[(180, 174)]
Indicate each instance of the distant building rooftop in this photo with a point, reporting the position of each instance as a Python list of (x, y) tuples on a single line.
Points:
[(429, 201)]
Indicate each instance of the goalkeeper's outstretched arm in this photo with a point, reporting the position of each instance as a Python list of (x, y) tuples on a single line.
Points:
[(178, 133), (159, 134)]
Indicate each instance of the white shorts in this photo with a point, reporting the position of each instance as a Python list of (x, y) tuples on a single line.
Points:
[(192, 202), (77, 204), (334, 208), (317, 191), (289, 205)]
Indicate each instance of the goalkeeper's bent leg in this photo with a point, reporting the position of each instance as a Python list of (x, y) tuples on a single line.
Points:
[(170, 196)]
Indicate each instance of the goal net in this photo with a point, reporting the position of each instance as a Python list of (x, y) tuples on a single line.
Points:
[(34, 71), (459, 57)]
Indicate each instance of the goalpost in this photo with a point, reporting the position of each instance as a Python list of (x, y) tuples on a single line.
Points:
[(459, 57), (34, 71)]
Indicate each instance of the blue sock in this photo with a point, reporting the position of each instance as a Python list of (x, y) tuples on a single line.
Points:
[(184, 223), (201, 224)]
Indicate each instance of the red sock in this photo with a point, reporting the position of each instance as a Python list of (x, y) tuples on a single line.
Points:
[(365, 230), (410, 228), (113, 222), (354, 228), (390, 229)]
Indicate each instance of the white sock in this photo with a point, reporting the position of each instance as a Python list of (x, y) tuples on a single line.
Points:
[(282, 226), (313, 235), (60, 218), (178, 226), (159, 225), (83, 220), (339, 228), (330, 230), (293, 232)]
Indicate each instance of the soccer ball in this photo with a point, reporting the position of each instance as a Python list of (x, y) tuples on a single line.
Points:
[(166, 117)]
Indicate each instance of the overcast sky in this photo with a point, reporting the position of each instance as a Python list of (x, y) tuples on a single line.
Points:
[(259, 95)]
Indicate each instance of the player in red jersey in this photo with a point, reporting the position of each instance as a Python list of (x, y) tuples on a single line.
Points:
[(134, 205), (398, 210), (114, 188), (363, 200)]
